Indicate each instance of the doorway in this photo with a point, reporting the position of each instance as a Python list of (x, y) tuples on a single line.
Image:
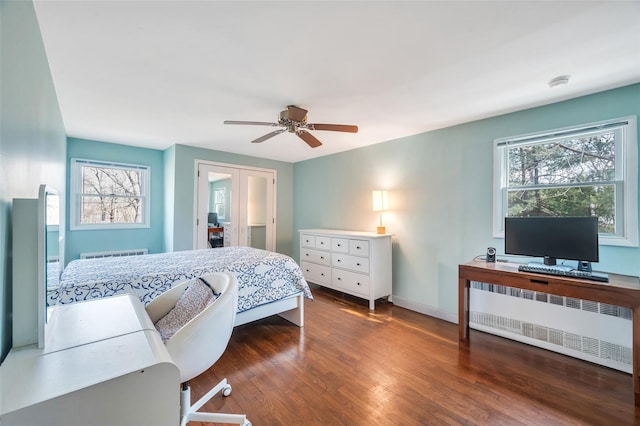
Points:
[(235, 206)]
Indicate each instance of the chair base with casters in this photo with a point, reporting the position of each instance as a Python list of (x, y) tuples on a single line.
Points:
[(199, 342), (190, 413)]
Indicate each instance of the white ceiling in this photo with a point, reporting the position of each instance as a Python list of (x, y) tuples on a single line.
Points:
[(158, 73)]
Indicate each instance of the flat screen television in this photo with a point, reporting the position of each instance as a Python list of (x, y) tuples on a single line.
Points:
[(569, 238)]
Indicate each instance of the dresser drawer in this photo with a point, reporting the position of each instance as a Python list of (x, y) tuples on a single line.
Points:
[(354, 263), (359, 247), (323, 243), (351, 282), (318, 274), (315, 256), (307, 241), (340, 245)]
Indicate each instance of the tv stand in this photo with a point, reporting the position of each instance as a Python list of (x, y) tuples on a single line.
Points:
[(621, 290)]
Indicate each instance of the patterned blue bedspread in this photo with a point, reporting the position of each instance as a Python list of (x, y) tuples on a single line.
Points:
[(263, 276)]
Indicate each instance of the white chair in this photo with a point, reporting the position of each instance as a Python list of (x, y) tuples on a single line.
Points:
[(199, 343)]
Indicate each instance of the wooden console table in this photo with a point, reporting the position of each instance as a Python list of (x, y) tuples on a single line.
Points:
[(621, 290)]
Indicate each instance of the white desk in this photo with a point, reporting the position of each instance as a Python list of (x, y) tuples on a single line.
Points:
[(103, 364)]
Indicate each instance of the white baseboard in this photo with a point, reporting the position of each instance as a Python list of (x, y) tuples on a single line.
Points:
[(425, 309)]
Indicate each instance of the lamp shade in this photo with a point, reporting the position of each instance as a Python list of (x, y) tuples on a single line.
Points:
[(380, 200)]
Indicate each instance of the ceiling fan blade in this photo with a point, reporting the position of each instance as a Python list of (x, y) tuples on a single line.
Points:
[(308, 138), (253, 123), (297, 114), (268, 136), (333, 127)]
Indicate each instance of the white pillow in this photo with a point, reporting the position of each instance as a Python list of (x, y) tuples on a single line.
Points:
[(194, 299)]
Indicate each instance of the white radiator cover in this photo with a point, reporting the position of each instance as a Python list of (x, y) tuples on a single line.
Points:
[(117, 253), (592, 331)]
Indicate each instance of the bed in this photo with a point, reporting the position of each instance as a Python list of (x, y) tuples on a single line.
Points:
[(269, 283)]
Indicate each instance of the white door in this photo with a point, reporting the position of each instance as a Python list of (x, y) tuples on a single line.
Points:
[(257, 212), (218, 188), (243, 200)]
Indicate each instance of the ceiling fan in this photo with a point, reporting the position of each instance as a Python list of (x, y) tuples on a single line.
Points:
[(294, 120)]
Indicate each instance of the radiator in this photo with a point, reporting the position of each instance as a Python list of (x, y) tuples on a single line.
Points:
[(595, 332), (117, 253)]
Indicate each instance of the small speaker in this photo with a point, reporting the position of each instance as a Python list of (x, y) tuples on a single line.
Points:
[(491, 254), (584, 266)]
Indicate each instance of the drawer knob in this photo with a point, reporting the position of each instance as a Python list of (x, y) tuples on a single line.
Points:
[(339, 279), (306, 254), (322, 274), (357, 247), (339, 245), (339, 260), (321, 257), (358, 283), (357, 264)]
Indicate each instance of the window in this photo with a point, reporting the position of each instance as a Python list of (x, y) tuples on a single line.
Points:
[(108, 195), (590, 170), (218, 202)]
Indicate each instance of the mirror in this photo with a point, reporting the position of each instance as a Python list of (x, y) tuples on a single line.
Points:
[(52, 236), (220, 184), (49, 252), (257, 212)]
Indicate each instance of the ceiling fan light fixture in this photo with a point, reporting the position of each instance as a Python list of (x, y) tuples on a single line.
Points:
[(294, 120), (560, 81)]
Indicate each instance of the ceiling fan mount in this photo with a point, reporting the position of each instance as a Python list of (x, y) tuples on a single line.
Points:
[(294, 120)]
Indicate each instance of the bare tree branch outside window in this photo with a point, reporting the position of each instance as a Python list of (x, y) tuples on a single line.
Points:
[(111, 195)]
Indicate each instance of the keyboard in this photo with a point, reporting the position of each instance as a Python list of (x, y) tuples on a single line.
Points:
[(565, 272)]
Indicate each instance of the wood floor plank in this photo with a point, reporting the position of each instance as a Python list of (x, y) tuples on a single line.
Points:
[(350, 366)]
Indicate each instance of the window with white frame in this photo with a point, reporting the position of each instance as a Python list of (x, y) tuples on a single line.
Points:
[(588, 170), (108, 195), (218, 202)]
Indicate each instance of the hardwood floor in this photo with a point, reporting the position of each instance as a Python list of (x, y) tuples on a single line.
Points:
[(397, 367)]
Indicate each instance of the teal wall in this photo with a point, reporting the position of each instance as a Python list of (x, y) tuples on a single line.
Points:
[(440, 188), (182, 210), (169, 196), (152, 238), (32, 134)]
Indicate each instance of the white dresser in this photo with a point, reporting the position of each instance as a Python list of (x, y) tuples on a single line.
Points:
[(356, 263)]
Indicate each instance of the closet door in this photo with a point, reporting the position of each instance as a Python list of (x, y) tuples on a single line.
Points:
[(244, 201), (257, 212), (217, 192)]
